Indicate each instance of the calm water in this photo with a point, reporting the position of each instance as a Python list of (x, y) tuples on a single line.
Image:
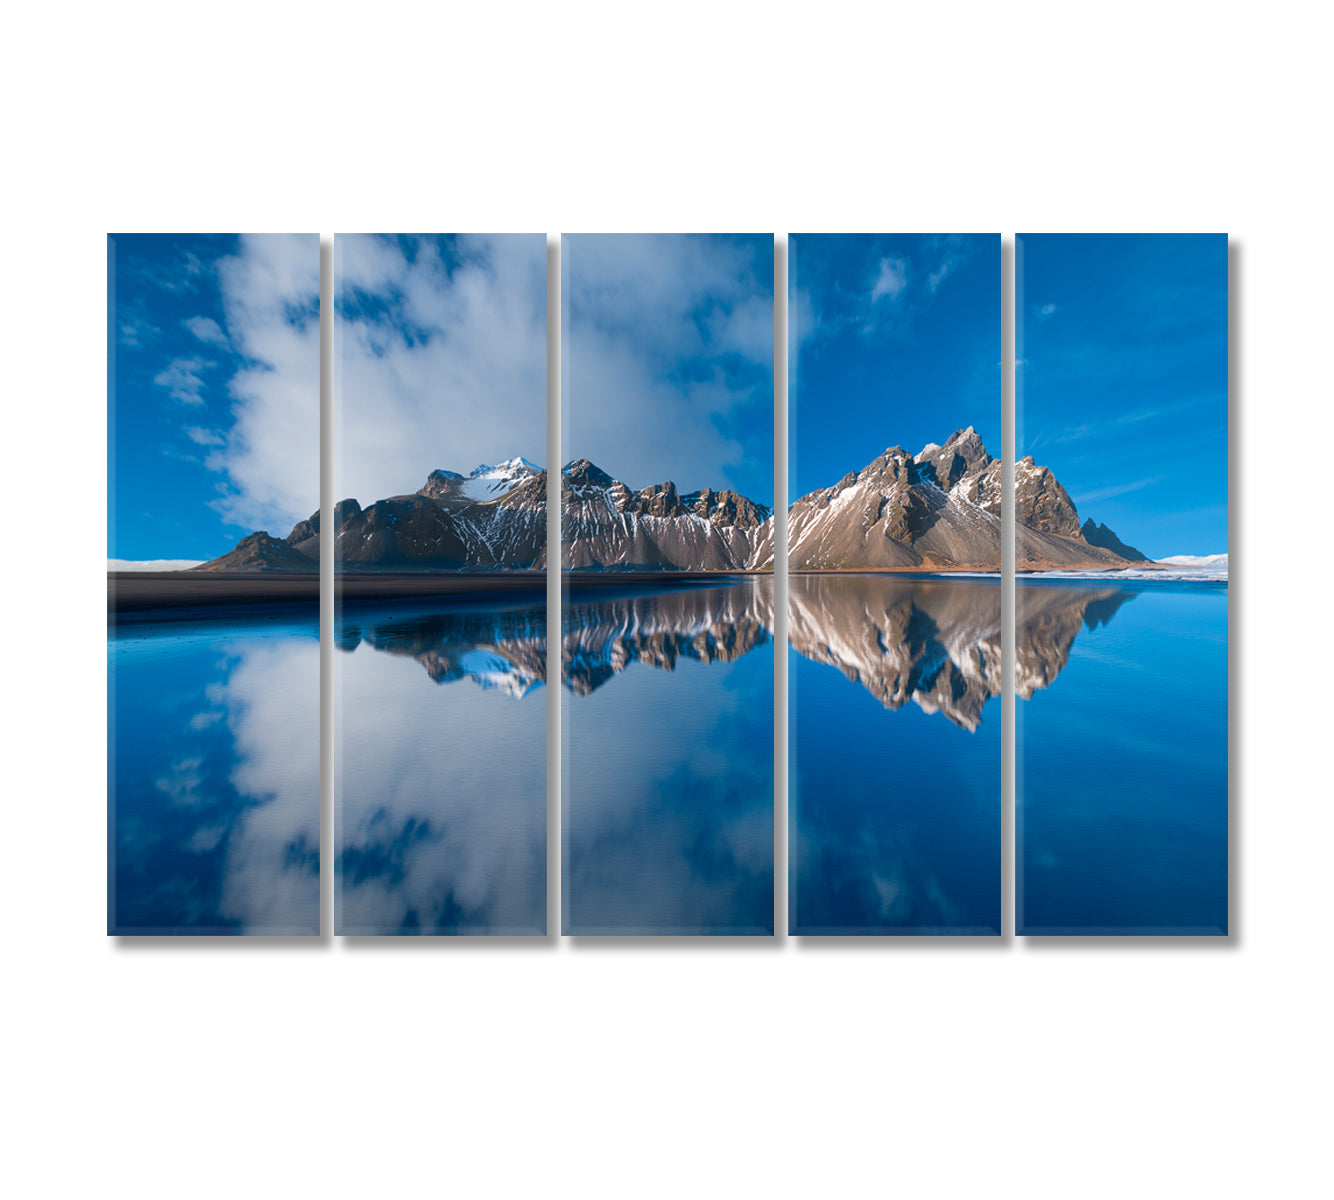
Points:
[(894, 775), (213, 822), (667, 725), (440, 815), (1121, 759)]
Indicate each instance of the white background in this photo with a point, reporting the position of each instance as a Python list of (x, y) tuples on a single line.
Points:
[(224, 1069)]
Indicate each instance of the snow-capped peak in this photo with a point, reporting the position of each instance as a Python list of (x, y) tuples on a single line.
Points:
[(509, 469)]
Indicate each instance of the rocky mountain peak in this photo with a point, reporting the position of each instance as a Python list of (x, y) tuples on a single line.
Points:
[(440, 484), (962, 455), (1100, 535), (582, 471)]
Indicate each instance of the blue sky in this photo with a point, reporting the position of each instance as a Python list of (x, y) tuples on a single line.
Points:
[(893, 340), (667, 358), (213, 390), (1122, 380)]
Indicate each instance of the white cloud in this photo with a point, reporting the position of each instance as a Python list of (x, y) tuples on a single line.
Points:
[(182, 782), (136, 330), (182, 379), (639, 310), (204, 437), (1047, 310), (891, 280), (207, 330), (271, 456), (438, 365)]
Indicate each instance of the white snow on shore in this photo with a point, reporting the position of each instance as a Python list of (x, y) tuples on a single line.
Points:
[(153, 564), (1208, 562)]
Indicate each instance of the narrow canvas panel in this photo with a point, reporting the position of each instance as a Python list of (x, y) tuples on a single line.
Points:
[(213, 788), (1121, 506), (894, 540), (440, 582), (667, 622)]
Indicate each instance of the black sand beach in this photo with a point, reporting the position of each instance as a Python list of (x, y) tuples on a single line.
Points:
[(172, 591)]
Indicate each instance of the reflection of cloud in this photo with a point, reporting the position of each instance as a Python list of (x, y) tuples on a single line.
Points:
[(214, 804), (272, 695), (441, 813), (668, 798)]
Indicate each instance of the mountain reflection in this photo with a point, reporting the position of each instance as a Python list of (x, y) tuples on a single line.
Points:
[(935, 643)]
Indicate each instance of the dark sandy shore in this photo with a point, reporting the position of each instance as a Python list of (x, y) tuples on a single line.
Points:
[(174, 591), (150, 591)]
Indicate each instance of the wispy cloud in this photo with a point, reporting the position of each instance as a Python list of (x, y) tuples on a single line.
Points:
[(953, 251), (1048, 310), (1116, 489), (208, 331), (891, 279), (183, 380), (204, 437), (135, 331)]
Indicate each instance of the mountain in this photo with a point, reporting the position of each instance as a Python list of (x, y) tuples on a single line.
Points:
[(492, 518), (939, 509), (261, 552), (606, 525), (1100, 535)]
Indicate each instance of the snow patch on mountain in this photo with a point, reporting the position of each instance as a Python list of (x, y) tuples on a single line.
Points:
[(486, 482)]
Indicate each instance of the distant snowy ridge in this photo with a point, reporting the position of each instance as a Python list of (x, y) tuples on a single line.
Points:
[(153, 564), (1204, 562)]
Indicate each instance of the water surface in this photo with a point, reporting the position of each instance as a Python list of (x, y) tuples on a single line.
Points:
[(213, 821), (667, 726), (440, 812), (1121, 762), (894, 774)]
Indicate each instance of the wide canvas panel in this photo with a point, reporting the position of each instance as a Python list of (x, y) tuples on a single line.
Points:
[(213, 815), (1121, 508), (894, 549), (440, 580), (667, 656)]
